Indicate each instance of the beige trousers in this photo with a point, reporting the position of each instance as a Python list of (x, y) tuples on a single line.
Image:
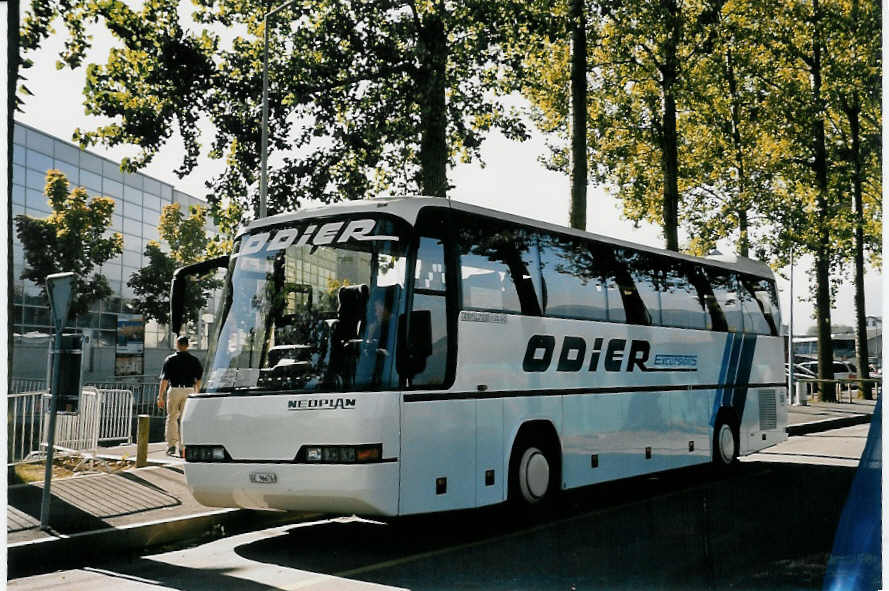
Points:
[(175, 403)]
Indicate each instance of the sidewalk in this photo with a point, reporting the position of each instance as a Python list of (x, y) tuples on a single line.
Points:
[(99, 515)]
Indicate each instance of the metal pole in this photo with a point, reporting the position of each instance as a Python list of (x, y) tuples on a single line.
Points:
[(790, 389), (51, 434), (264, 175), (264, 155)]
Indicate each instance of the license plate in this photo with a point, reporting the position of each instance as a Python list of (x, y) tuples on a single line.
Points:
[(263, 477)]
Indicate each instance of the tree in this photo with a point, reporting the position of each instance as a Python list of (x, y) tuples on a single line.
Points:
[(74, 237), (798, 40), (639, 65), (188, 243), (736, 156), (853, 82), (364, 97)]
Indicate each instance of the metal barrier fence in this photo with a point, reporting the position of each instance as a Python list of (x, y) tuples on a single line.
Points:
[(24, 420), (144, 395), (115, 415), (76, 431), (104, 415), (806, 388)]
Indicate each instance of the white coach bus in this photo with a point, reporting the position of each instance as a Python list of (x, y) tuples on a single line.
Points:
[(394, 357)]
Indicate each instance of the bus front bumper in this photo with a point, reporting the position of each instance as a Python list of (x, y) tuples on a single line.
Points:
[(362, 489)]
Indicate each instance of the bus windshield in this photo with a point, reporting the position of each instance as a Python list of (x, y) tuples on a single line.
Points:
[(312, 306)]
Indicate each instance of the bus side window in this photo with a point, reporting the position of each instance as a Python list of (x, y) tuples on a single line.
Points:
[(756, 302), (429, 294), (572, 278), (681, 304), (499, 266), (725, 290)]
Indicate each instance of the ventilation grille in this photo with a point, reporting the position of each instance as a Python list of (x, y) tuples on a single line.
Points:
[(768, 410)]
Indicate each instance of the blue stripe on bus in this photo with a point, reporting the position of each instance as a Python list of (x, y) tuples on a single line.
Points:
[(739, 395), (731, 376), (726, 354)]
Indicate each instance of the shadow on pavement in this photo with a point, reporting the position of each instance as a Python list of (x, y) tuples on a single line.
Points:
[(680, 530)]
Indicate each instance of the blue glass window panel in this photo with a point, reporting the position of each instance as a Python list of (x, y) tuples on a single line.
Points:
[(117, 222), (71, 171), (18, 194), (18, 134), (167, 193), (38, 161), (18, 174), (36, 180), (131, 242), (18, 154), (132, 259), (37, 200), (112, 188), (39, 141), (92, 182), (110, 170), (132, 194), (67, 152), (151, 186), (90, 162), (152, 202), (132, 211), (133, 180)]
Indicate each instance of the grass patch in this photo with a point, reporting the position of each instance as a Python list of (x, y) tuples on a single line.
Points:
[(65, 467)]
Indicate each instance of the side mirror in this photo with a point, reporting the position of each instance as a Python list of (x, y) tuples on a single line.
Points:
[(415, 342), (177, 288)]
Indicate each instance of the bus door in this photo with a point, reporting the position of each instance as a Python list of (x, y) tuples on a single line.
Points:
[(437, 434)]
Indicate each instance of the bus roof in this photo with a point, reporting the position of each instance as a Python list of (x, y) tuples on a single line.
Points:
[(409, 207)]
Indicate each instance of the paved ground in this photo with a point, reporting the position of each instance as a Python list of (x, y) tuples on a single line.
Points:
[(766, 526), (132, 510)]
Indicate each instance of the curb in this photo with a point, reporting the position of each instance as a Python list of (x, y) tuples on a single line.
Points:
[(827, 425), (32, 557)]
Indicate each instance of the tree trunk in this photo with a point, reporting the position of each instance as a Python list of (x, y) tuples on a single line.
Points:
[(670, 138), (822, 251), (743, 236), (433, 118), (743, 233), (579, 172), (861, 353)]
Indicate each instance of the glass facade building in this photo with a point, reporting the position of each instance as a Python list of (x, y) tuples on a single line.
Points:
[(138, 202)]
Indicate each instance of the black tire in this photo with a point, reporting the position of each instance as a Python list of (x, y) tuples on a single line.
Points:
[(726, 445), (534, 474)]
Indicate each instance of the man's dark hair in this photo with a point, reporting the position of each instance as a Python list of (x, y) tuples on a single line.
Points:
[(183, 340)]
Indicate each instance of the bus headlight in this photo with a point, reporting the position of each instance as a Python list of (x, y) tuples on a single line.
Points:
[(206, 453), (340, 454)]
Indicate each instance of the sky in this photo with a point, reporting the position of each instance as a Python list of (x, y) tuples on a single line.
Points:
[(512, 180)]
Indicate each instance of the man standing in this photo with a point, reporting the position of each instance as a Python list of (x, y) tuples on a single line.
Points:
[(182, 373)]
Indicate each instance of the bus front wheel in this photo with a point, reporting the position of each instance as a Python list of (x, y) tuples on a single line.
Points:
[(534, 477)]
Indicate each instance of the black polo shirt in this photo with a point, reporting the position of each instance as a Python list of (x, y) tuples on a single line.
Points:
[(181, 369)]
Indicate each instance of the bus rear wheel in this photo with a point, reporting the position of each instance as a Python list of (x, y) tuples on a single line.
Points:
[(725, 445)]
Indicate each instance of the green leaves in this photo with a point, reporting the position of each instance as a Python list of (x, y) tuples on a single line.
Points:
[(365, 97), (188, 243), (74, 237)]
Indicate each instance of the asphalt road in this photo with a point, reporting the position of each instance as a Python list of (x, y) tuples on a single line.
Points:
[(769, 525)]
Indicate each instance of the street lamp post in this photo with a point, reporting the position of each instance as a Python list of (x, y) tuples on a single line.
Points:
[(264, 175), (790, 391)]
